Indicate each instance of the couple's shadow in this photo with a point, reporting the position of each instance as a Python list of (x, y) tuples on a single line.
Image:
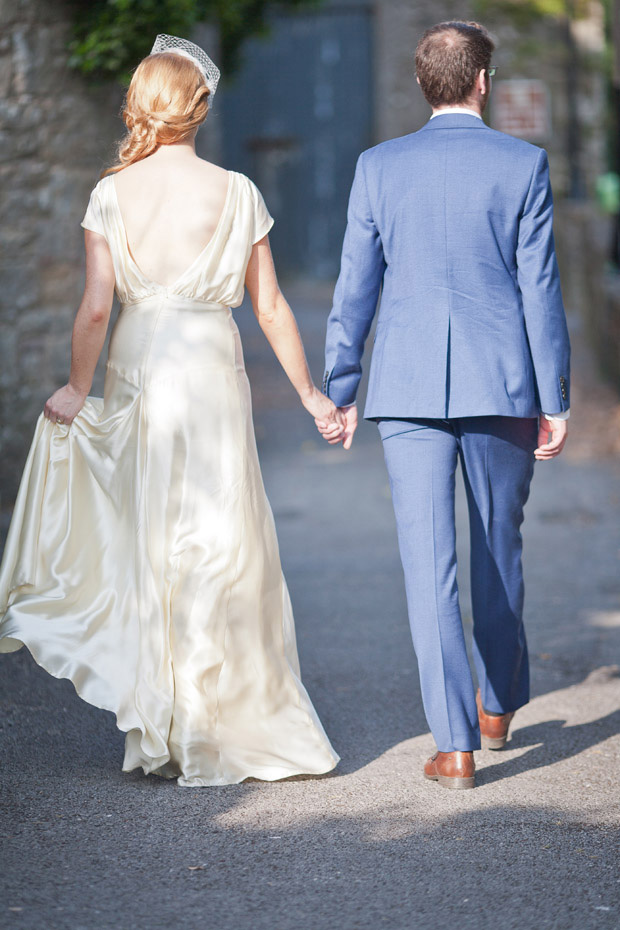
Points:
[(537, 745), (549, 742)]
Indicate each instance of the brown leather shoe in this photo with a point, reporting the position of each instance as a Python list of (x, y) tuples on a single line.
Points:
[(493, 727), (452, 769)]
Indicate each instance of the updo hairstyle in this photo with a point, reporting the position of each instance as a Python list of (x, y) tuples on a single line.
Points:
[(166, 101)]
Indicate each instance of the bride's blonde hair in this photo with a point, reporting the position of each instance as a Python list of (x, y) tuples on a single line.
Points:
[(166, 101)]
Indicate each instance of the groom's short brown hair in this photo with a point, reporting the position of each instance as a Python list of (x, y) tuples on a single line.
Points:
[(449, 58)]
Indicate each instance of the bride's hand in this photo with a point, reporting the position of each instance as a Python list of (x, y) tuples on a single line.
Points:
[(64, 405), (326, 413)]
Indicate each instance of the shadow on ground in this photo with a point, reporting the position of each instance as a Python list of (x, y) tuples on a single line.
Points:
[(373, 845)]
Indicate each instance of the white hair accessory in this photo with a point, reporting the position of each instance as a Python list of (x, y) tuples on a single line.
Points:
[(165, 43)]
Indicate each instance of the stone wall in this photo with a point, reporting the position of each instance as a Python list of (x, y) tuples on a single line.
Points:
[(583, 243), (399, 105), (56, 135), (535, 51)]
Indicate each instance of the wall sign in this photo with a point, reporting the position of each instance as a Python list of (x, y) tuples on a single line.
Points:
[(521, 108)]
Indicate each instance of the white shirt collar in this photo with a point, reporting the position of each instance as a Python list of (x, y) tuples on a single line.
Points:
[(450, 110)]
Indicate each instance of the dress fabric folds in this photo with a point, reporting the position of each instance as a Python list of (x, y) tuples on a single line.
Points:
[(142, 561)]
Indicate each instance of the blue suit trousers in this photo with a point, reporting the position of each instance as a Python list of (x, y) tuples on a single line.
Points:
[(496, 455)]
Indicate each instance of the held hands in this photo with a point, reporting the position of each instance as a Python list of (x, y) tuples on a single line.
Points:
[(343, 435), (325, 412), (548, 449), (64, 405)]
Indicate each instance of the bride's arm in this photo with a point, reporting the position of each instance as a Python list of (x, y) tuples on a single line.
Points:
[(89, 330), (276, 320)]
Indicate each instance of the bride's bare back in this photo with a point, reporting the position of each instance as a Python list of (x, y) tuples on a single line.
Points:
[(171, 204)]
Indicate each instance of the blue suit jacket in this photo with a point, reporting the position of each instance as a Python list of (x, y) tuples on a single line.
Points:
[(453, 226)]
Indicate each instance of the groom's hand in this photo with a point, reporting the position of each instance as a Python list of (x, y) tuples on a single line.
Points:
[(548, 448), (350, 425)]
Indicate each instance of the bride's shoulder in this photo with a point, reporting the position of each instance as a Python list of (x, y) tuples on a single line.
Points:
[(96, 192), (253, 207), (101, 187), (101, 182), (209, 171), (246, 185), (244, 179)]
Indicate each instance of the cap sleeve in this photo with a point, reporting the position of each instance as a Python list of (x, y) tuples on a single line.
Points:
[(263, 221), (93, 218)]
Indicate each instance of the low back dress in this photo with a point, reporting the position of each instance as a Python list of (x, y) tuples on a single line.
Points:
[(142, 561)]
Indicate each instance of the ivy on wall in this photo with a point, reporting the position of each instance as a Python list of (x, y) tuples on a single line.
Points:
[(112, 36), (524, 12)]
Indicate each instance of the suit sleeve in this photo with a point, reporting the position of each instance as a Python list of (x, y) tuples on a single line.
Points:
[(356, 296), (539, 283)]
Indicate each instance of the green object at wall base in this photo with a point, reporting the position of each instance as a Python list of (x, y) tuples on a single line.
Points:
[(608, 192)]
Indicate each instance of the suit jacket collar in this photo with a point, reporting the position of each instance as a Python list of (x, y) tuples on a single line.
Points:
[(455, 121)]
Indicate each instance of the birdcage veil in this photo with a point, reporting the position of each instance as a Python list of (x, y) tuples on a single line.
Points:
[(165, 43)]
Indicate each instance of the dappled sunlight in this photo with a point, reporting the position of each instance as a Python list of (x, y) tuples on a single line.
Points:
[(552, 743), (603, 619), (180, 563)]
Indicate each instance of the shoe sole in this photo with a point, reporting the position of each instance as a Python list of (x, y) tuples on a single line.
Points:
[(456, 784), (493, 743)]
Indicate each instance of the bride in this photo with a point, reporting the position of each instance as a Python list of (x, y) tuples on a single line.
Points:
[(142, 561)]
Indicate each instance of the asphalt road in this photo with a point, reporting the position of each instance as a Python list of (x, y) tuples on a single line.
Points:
[(535, 845)]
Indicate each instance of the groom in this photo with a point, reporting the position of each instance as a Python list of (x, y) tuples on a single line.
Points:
[(453, 226)]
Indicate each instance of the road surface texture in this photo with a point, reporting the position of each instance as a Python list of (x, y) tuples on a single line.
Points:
[(373, 845)]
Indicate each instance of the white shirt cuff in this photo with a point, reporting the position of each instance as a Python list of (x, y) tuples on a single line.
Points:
[(557, 416)]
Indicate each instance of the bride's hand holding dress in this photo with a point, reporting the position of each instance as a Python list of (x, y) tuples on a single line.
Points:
[(89, 331), (64, 405)]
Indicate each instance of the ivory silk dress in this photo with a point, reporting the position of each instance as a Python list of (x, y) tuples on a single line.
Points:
[(142, 561)]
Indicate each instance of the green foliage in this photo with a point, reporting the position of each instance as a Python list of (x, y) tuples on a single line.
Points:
[(524, 12), (112, 36)]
